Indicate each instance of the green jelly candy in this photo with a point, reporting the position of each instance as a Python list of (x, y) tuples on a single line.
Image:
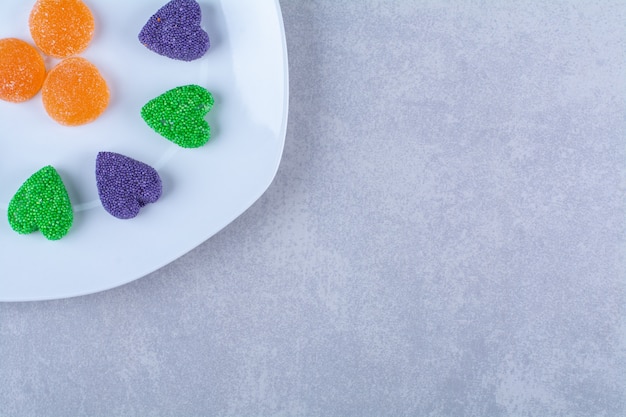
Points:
[(178, 115), (42, 203)]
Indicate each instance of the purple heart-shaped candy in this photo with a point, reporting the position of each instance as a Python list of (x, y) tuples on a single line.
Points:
[(125, 185), (174, 31)]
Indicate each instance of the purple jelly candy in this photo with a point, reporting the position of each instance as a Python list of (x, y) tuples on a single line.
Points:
[(125, 185), (174, 31)]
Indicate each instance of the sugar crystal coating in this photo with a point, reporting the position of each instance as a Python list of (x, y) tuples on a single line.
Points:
[(74, 93), (125, 185), (178, 115), (61, 28), (22, 70), (174, 31), (42, 203)]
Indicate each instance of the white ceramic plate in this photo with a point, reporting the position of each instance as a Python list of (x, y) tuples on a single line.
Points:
[(204, 189)]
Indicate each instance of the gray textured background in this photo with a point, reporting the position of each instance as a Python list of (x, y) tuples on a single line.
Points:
[(445, 237)]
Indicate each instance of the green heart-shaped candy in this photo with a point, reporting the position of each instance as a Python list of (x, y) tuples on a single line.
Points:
[(42, 203), (178, 115)]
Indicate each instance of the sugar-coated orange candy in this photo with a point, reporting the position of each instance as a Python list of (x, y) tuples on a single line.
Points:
[(74, 93), (61, 28), (22, 70)]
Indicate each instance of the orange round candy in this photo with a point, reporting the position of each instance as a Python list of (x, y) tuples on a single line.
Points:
[(74, 93), (61, 28), (22, 70)]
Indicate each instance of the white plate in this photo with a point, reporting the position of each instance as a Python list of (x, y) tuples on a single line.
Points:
[(204, 189)]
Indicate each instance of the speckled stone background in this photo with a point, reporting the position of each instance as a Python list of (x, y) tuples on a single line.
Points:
[(446, 236)]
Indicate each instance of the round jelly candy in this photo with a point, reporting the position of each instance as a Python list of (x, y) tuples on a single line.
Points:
[(22, 70)]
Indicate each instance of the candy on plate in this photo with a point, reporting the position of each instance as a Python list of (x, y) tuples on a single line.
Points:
[(179, 115), (125, 185), (42, 203), (61, 28), (174, 31), (22, 70), (74, 92)]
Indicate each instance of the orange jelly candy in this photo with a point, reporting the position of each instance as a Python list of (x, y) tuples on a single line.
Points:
[(61, 28), (74, 93), (22, 70)]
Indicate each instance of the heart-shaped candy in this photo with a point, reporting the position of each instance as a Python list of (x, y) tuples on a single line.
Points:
[(178, 115), (125, 185), (42, 203), (174, 31)]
